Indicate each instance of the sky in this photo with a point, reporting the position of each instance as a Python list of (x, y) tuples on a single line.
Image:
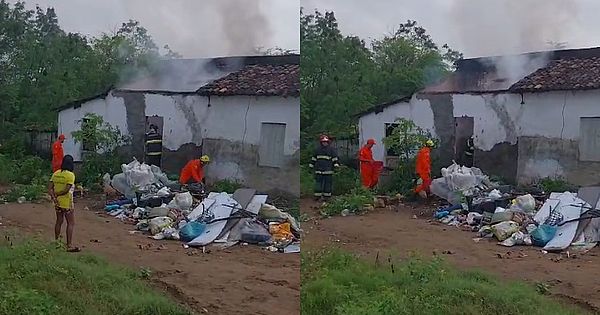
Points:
[(193, 28), (474, 27)]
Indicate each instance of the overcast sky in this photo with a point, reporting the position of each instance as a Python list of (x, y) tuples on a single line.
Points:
[(194, 28), (475, 27)]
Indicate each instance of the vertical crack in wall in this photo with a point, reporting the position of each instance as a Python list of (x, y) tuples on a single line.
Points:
[(190, 117), (509, 126)]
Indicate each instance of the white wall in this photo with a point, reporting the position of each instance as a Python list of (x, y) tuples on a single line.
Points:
[(373, 125), (500, 118), (111, 108), (189, 119)]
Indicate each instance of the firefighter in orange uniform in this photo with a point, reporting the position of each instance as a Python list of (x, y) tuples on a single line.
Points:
[(423, 168), (57, 153), (193, 171), (368, 174)]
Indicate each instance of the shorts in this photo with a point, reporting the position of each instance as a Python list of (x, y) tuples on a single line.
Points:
[(62, 210)]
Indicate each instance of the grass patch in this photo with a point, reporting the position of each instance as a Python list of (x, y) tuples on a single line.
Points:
[(353, 202), (27, 176), (340, 283), (227, 186), (558, 185), (41, 279)]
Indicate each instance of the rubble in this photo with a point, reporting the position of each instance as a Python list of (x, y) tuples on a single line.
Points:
[(556, 222), (166, 211)]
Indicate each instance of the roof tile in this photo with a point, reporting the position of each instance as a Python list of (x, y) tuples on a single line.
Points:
[(258, 80)]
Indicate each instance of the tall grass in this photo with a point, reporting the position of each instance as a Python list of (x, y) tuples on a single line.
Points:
[(340, 283), (41, 279)]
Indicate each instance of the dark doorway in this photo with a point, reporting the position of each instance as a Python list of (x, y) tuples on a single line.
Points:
[(463, 130)]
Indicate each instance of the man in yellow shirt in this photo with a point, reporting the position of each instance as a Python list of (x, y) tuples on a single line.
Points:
[(61, 189)]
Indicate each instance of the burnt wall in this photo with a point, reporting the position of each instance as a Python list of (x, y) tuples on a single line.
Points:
[(443, 122), (233, 159), (501, 161), (541, 157), (135, 107)]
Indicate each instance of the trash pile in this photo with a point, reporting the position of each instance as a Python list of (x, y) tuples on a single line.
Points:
[(160, 207), (560, 221)]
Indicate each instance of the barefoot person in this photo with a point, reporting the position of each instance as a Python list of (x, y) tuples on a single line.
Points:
[(61, 189)]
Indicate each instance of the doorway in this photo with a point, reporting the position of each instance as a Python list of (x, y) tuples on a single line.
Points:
[(463, 130)]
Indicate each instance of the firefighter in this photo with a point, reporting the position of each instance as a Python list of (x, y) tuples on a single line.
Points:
[(193, 171), (324, 162), (153, 146), (423, 168), (469, 151), (368, 173), (57, 153)]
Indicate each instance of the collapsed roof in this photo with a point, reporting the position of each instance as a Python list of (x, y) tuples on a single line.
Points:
[(224, 76), (570, 69)]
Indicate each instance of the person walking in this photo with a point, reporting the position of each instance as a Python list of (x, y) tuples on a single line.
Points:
[(423, 168), (368, 173), (324, 162), (57, 153)]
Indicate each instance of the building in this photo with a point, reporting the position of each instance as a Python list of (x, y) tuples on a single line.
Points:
[(244, 112), (532, 116)]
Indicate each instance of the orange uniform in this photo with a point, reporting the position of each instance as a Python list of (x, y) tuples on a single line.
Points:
[(367, 171), (57, 155), (194, 169), (424, 169)]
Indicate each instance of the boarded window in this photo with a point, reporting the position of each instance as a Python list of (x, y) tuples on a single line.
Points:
[(272, 142), (589, 139), (389, 128)]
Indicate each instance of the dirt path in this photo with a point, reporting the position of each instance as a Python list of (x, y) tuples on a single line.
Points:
[(386, 231), (241, 280)]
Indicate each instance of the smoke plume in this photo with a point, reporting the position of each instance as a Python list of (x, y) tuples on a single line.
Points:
[(245, 29)]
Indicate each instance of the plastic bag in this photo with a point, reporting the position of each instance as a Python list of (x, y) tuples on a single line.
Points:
[(518, 238), (184, 201), (543, 234), (191, 230), (138, 175), (504, 230), (119, 182), (524, 203), (157, 225), (270, 212), (253, 232), (281, 232)]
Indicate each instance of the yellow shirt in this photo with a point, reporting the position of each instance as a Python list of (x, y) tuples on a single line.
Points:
[(61, 180)]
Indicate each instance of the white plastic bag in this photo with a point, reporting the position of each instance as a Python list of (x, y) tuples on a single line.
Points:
[(184, 201), (158, 224), (504, 230), (518, 238), (524, 203)]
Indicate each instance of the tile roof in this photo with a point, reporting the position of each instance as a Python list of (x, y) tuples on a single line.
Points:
[(258, 80), (563, 74)]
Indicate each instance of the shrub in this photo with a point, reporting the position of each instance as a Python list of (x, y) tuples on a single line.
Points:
[(353, 202), (558, 184), (225, 185)]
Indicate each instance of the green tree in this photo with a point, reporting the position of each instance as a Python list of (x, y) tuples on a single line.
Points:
[(42, 67), (342, 77), (102, 141)]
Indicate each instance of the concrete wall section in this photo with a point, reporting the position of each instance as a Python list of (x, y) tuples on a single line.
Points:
[(373, 124), (111, 108)]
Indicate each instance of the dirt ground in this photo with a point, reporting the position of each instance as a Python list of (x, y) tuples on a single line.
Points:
[(399, 232), (240, 280)]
